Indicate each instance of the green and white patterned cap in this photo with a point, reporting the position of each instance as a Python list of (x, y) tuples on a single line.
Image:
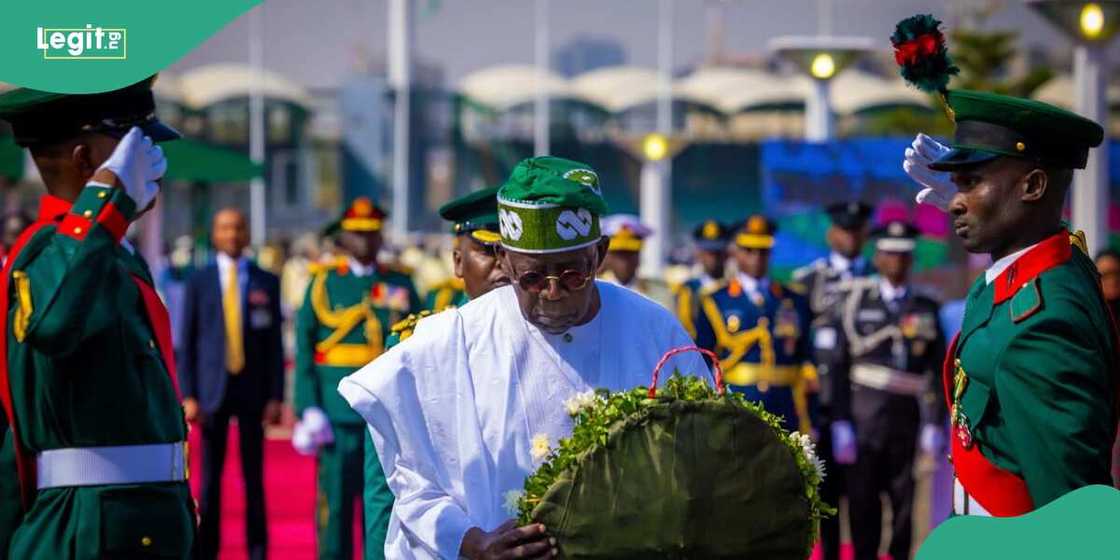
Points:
[(550, 205)]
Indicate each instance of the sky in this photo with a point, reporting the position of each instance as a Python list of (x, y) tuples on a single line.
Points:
[(319, 43)]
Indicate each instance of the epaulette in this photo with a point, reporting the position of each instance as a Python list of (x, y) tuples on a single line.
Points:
[(397, 268), (798, 288), (338, 264), (403, 328), (712, 288), (800, 274)]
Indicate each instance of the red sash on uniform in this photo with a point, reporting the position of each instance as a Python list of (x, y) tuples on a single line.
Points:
[(50, 210), (161, 324), (1000, 492)]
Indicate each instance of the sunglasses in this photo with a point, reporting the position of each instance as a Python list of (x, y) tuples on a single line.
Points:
[(570, 280)]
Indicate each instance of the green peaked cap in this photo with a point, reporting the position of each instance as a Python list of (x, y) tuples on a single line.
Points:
[(550, 205), (991, 125), (475, 214)]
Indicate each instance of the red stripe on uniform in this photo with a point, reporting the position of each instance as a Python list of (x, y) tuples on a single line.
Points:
[(113, 221)]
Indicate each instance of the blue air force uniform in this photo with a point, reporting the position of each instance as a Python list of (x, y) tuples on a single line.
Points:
[(759, 329)]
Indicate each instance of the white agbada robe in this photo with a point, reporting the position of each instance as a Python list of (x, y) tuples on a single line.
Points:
[(454, 408)]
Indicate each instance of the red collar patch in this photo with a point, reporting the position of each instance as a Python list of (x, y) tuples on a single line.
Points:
[(1049, 253), (52, 208)]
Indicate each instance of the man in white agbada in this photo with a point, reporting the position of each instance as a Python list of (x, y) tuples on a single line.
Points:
[(460, 411)]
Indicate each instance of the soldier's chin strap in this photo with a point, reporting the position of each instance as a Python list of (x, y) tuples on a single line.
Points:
[(25, 461)]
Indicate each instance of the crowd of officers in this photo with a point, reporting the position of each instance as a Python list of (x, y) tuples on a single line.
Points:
[(841, 353)]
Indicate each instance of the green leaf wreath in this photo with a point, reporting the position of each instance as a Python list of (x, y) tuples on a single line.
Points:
[(598, 414)]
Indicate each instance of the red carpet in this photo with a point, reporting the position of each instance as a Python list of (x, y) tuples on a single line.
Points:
[(289, 487)]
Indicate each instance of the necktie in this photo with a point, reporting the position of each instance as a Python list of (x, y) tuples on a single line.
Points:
[(231, 304)]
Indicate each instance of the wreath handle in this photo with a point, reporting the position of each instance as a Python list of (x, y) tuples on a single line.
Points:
[(716, 371)]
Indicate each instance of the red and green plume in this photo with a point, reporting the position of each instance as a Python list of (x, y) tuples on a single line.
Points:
[(919, 50)]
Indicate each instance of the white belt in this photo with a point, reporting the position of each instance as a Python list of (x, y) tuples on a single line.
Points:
[(123, 464), (963, 504), (889, 379)]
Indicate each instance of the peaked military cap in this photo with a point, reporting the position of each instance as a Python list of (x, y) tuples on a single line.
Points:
[(42, 117), (849, 215), (896, 236), (626, 231), (711, 236), (475, 214), (360, 215), (757, 232), (991, 125)]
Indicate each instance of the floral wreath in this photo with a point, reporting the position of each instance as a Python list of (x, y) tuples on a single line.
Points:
[(600, 413)]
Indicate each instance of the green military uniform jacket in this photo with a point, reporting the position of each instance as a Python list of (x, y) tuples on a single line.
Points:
[(1032, 379), (341, 327), (85, 369), (447, 294)]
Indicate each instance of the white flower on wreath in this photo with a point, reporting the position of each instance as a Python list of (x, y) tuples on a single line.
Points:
[(580, 401), (512, 500), (540, 447), (810, 450)]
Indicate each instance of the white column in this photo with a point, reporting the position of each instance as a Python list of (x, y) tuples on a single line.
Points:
[(541, 117), (818, 113), (655, 203), (1090, 185), (656, 180), (257, 204), (400, 80)]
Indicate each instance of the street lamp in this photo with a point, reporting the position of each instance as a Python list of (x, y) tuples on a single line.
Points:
[(1091, 25), (821, 58)]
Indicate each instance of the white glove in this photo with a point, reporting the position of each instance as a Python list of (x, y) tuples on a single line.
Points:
[(302, 442), (317, 425), (844, 448), (932, 440), (938, 188), (138, 163)]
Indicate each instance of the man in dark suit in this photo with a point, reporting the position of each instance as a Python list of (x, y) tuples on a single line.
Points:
[(231, 361)]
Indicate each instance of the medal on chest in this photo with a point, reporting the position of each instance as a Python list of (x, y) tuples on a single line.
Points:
[(959, 420)]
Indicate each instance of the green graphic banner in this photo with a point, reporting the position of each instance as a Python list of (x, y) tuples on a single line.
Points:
[(75, 46), (1080, 524)]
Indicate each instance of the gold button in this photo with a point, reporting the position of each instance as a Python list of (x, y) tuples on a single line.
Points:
[(88, 213), (102, 194), (77, 231), (1020, 146), (146, 541)]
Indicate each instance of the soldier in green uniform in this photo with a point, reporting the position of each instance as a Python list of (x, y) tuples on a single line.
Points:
[(474, 219), (87, 374), (475, 225), (342, 326), (1032, 377)]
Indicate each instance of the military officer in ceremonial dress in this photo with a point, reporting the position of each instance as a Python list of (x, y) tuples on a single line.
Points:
[(342, 326), (824, 280), (886, 349), (1032, 377), (759, 329), (87, 370), (621, 265), (710, 240)]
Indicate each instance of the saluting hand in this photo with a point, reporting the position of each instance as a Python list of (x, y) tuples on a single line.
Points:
[(938, 188), (508, 542), (137, 163)]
